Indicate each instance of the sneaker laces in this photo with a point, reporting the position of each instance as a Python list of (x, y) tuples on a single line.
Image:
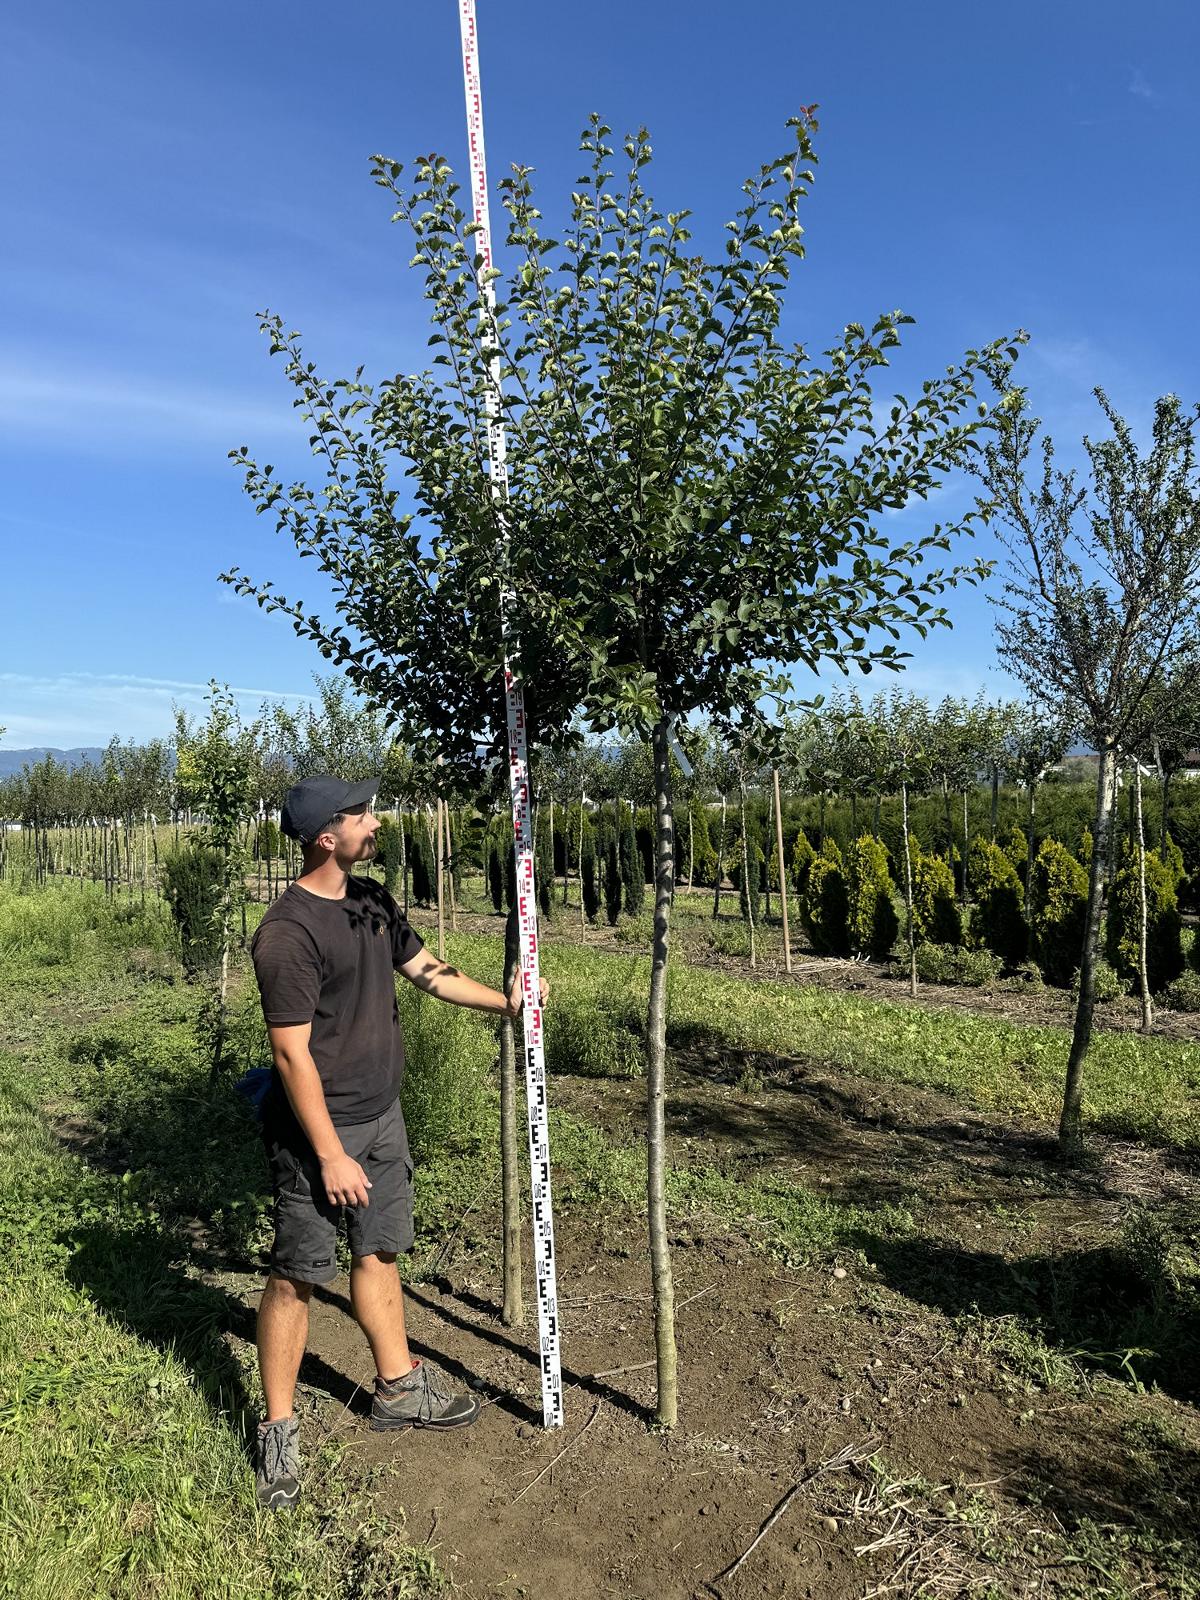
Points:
[(433, 1394), (277, 1452)]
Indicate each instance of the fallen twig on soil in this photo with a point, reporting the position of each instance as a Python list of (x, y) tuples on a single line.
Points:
[(848, 1456), (560, 1455)]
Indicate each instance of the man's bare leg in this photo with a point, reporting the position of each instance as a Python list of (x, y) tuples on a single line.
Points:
[(282, 1335), (378, 1304)]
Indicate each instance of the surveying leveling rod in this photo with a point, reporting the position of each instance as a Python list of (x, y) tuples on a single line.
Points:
[(518, 771)]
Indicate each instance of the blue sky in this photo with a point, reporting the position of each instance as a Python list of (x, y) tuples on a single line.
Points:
[(171, 171)]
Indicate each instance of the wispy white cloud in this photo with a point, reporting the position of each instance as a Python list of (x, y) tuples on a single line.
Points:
[(88, 708), (1142, 89), (100, 410)]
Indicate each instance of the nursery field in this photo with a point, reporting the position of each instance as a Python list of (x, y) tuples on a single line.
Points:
[(973, 1363)]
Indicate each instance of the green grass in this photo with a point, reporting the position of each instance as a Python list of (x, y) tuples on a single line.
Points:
[(1141, 1088), (123, 1415), (124, 1420)]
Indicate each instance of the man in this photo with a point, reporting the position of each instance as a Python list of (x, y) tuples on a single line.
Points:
[(325, 956)]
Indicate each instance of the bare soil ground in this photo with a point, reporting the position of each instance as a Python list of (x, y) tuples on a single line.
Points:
[(781, 1368)]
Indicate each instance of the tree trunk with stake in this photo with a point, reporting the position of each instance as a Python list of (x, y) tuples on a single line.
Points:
[(720, 872), (783, 894), (656, 1083), (513, 1312), (908, 892), (1143, 911), (746, 889), (1071, 1122)]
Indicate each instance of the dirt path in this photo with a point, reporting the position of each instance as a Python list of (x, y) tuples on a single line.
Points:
[(781, 1369)]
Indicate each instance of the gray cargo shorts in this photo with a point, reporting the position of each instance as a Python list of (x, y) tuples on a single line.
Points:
[(306, 1225)]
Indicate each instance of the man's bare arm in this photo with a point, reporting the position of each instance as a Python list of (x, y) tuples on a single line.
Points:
[(447, 983), (346, 1183)]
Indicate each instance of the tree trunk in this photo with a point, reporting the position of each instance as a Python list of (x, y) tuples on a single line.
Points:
[(746, 890), (582, 908), (770, 831), (720, 862), (995, 798), (513, 1312), (1143, 911), (1030, 841), (403, 859), (656, 1084), (441, 910), (966, 845), (908, 892), (783, 897), (691, 847), (1162, 837), (1071, 1121)]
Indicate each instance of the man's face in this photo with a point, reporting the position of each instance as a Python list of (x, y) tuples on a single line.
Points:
[(353, 839)]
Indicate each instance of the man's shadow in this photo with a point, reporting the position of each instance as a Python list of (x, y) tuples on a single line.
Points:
[(136, 1277)]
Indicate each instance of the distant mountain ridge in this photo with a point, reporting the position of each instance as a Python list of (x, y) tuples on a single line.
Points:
[(14, 761)]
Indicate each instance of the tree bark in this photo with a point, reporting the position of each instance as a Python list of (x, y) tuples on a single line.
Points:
[(513, 1311), (1071, 1121), (1029, 836), (666, 1411), (1162, 837), (908, 892), (720, 862), (746, 890), (783, 897), (1143, 910), (582, 907), (441, 910)]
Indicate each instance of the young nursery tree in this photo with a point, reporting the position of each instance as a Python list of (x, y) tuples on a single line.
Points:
[(1101, 600), (692, 503)]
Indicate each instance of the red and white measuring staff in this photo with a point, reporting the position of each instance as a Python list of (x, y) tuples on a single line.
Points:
[(518, 769)]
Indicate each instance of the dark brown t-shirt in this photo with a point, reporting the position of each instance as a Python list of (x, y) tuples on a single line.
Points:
[(332, 963)]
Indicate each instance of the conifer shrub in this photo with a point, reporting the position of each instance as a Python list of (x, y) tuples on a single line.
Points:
[(825, 906), (610, 857), (1183, 994), (998, 919), (1016, 848), (387, 853), (1173, 861), (936, 916), (1085, 848), (704, 852), (589, 872), (1164, 948), (803, 856), (191, 884), (871, 910), (1058, 894), (643, 828), (498, 864), (751, 902), (266, 840), (630, 865)]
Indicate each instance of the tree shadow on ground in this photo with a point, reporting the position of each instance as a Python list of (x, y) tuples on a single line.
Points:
[(1107, 1307), (1144, 1478)]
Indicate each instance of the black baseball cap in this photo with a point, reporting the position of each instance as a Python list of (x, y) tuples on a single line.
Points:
[(310, 803)]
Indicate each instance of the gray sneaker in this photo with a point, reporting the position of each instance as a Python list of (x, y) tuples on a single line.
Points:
[(278, 1472), (420, 1401)]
